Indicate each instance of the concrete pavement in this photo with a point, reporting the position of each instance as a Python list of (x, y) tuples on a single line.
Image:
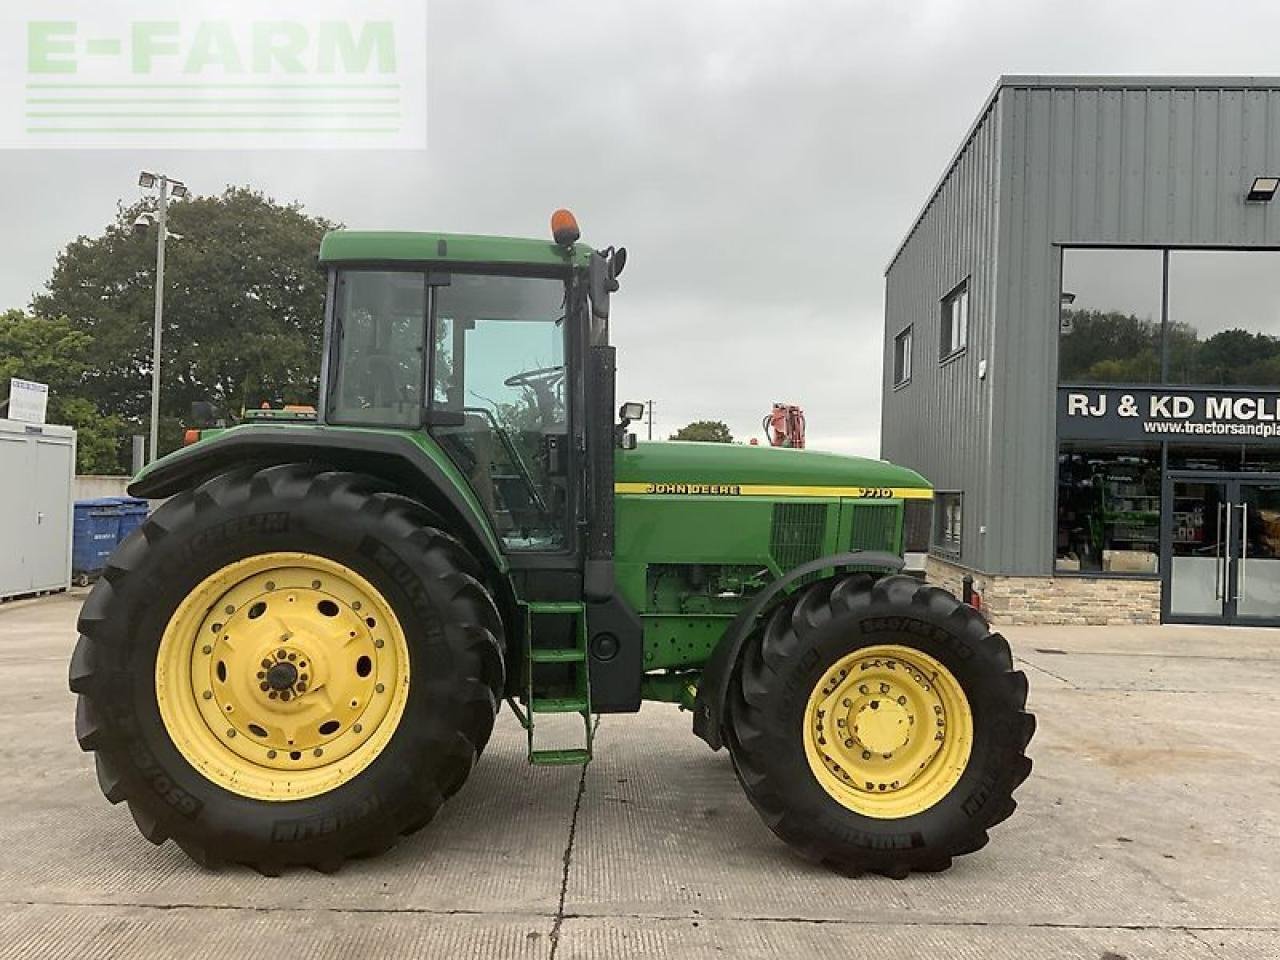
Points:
[(1149, 828)]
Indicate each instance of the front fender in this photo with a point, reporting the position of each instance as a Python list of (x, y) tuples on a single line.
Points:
[(411, 462), (713, 688)]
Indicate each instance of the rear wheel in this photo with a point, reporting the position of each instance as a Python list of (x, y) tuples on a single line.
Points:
[(878, 726), (286, 666)]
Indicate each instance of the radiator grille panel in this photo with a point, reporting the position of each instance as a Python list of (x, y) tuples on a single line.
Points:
[(875, 527), (797, 533)]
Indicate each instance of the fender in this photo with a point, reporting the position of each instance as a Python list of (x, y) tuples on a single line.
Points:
[(403, 460), (713, 688)]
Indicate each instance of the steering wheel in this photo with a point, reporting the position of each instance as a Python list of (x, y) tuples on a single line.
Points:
[(541, 377)]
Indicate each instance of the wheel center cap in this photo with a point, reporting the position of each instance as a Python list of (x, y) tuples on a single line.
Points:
[(282, 675), (882, 726)]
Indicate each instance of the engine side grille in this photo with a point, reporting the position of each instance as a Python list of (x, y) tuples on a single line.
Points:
[(875, 527), (797, 533)]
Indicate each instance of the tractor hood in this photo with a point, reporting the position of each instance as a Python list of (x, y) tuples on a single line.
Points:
[(765, 470)]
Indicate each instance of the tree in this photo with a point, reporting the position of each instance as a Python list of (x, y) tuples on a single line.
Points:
[(52, 351), (1101, 346), (244, 304), (709, 431)]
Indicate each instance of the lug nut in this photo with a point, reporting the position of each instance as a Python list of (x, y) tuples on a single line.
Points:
[(208, 694)]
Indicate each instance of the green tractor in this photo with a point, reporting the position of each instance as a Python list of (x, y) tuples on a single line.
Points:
[(300, 655)]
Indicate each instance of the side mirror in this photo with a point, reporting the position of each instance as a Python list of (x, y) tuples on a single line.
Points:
[(619, 261), (601, 283)]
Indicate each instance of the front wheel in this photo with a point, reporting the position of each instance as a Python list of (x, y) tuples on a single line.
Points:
[(286, 666), (878, 726)]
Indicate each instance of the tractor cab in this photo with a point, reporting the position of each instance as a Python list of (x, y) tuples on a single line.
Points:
[(478, 342)]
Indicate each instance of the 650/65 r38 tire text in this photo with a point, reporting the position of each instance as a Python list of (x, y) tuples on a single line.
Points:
[(286, 666), (878, 726)]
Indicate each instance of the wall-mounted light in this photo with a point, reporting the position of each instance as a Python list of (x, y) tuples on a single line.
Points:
[(1263, 189)]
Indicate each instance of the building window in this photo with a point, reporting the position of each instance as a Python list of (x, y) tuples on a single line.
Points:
[(947, 510), (1214, 322), (902, 358), (1111, 307), (1108, 509), (1224, 317), (955, 321)]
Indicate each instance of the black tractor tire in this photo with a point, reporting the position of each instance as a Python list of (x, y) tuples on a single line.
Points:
[(456, 671), (789, 655)]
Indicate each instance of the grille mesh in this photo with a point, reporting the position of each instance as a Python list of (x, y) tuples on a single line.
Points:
[(875, 527), (797, 533)]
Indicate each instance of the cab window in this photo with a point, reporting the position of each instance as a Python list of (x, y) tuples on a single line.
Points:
[(379, 325), (498, 361)]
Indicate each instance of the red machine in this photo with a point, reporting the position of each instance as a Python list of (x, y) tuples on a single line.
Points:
[(784, 426)]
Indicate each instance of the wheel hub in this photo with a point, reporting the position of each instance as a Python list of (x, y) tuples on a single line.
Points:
[(881, 725), (294, 675), (280, 676), (887, 731)]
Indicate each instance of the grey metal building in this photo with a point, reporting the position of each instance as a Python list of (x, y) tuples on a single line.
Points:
[(1082, 351)]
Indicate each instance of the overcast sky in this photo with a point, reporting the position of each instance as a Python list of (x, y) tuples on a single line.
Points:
[(760, 160)]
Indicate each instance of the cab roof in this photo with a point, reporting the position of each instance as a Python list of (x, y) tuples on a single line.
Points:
[(365, 246)]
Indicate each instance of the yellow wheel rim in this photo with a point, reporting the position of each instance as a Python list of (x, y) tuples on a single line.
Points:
[(282, 676), (887, 731)]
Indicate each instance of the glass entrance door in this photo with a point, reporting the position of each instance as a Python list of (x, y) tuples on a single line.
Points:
[(1196, 538), (1256, 558), (1222, 541)]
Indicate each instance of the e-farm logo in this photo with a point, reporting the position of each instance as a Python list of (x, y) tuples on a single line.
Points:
[(214, 75)]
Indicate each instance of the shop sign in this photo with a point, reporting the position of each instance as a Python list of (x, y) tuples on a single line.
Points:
[(1184, 414)]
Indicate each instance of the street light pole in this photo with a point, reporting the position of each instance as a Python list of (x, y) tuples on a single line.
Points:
[(168, 187), (154, 446)]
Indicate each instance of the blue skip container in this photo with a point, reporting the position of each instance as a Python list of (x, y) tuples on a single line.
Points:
[(95, 532), (133, 513)]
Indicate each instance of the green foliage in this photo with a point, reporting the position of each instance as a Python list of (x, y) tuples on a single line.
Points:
[(244, 303), (1116, 348), (709, 431), (1109, 348), (53, 351)]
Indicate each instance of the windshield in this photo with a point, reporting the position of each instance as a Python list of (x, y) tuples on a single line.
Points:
[(499, 361)]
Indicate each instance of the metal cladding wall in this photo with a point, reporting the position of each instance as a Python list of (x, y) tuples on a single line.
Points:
[(939, 423), (1131, 161)]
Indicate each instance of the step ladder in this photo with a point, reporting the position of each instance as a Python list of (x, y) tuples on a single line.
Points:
[(538, 701)]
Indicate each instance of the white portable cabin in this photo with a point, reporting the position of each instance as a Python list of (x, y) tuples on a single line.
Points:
[(37, 473)]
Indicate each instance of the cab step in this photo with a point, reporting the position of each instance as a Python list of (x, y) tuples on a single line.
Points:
[(559, 758), (542, 699)]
